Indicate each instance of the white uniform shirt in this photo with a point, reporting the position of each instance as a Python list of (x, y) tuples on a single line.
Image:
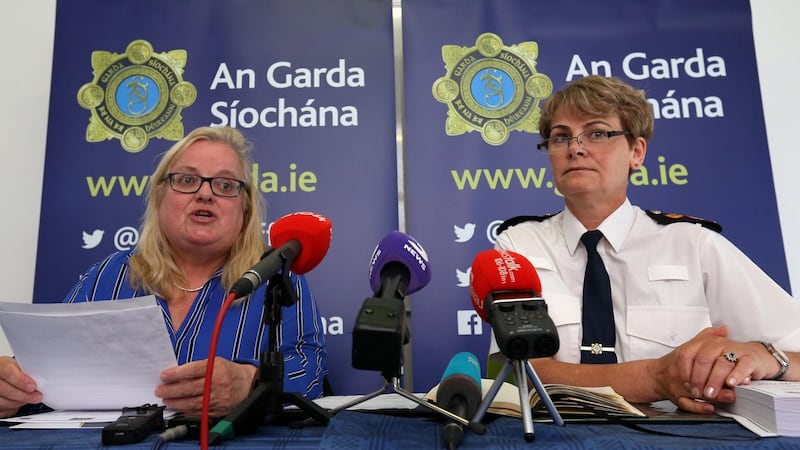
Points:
[(668, 282)]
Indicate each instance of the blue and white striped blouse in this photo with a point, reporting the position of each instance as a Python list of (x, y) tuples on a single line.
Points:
[(243, 336)]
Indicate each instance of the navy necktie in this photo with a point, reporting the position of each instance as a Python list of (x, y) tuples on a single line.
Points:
[(599, 335)]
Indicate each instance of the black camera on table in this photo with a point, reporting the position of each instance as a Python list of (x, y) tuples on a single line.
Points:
[(522, 327), (134, 425)]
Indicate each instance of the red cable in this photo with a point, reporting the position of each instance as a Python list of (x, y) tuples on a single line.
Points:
[(212, 353)]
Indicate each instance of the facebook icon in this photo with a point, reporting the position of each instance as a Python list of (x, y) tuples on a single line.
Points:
[(469, 323)]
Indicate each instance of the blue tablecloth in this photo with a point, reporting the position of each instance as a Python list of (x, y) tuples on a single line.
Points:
[(356, 430), (353, 430)]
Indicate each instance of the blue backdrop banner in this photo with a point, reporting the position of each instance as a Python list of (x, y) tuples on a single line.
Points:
[(471, 139), (313, 91), (312, 84)]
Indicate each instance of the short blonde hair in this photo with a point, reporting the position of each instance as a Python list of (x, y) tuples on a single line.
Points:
[(152, 265), (596, 95)]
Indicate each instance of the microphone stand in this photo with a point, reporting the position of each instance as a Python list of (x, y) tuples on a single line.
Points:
[(521, 368), (379, 335), (378, 338), (393, 380), (268, 396)]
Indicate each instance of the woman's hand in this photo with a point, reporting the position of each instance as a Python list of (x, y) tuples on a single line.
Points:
[(182, 387), (16, 388), (704, 370)]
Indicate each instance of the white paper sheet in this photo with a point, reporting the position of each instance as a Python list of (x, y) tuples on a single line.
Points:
[(390, 401), (65, 419), (102, 355), (70, 419)]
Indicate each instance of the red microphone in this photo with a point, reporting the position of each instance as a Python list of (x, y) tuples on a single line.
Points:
[(302, 239), (311, 230), (506, 292), (500, 273)]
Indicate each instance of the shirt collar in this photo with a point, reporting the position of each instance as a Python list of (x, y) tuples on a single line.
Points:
[(615, 227)]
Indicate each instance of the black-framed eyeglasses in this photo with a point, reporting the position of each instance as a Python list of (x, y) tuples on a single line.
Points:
[(189, 183), (591, 137)]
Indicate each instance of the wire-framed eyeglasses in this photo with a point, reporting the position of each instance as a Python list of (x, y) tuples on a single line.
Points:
[(189, 183), (589, 137)]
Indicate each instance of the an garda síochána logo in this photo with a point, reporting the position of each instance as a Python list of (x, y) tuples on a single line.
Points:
[(136, 96), (492, 88)]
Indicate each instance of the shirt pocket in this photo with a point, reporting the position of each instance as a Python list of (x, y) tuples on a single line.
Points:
[(656, 330), (666, 272), (565, 310)]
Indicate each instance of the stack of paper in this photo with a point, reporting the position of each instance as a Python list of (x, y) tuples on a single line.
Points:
[(768, 408)]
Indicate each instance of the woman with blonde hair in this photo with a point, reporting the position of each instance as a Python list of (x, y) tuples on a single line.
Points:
[(201, 230)]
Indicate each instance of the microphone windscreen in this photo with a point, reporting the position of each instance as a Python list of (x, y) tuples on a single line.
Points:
[(404, 249), (312, 230), (462, 377), (500, 270)]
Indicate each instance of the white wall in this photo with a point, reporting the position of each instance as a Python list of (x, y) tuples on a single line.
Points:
[(776, 34), (27, 28)]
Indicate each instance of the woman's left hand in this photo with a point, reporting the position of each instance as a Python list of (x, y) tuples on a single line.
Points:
[(713, 364), (181, 387)]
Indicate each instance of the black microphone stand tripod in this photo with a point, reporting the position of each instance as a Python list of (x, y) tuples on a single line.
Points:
[(378, 336), (393, 382), (522, 367), (268, 397), (522, 330)]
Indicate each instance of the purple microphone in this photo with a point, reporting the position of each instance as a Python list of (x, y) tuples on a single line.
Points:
[(398, 266)]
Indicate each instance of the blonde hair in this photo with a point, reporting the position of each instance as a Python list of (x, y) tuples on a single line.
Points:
[(152, 265), (595, 95)]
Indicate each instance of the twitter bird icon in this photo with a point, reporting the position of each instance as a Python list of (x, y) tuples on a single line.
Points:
[(463, 277), (463, 234), (92, 240)]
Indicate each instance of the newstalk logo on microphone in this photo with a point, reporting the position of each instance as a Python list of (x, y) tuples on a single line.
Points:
[(507, 265)]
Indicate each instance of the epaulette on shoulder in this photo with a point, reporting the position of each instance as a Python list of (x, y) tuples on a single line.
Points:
[(668, 218), (520, 219)]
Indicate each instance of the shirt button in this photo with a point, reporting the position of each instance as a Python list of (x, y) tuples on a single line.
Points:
[(673, 336)]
